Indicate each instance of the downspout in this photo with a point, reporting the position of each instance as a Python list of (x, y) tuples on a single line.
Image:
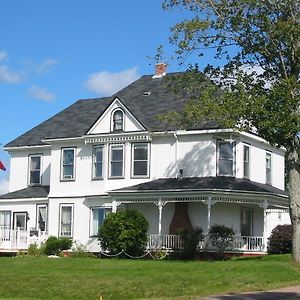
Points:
[(176, 154)]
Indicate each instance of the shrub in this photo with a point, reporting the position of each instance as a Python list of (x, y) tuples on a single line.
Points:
[(190, 239), (280, 240), (124, 230), (79, 250), (54, 245), (35, 250), (221, 237)]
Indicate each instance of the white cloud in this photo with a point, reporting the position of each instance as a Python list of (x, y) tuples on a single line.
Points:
[(107, 83), (40, 93), (46, 66), (4, 186), (3, 55), (9, 76)]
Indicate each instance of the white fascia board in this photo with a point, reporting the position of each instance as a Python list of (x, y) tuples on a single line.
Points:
[(26, 147), (121, 105), (23, 200), (60, 140)]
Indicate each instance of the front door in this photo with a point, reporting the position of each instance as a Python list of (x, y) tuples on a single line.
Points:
[(20, 220)]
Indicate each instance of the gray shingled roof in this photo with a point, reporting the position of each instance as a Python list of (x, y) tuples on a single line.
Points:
[(202, 184), (29, 192), (78, 118)]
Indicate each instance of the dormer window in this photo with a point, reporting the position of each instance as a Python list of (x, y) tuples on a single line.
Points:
[(118, 120)]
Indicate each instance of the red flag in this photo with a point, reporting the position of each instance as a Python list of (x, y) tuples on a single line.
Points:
[(2, 167)]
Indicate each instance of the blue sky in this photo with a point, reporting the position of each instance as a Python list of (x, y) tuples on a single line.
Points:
[(53, 53)]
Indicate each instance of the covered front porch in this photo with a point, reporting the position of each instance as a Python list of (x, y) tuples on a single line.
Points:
[(172, 204)]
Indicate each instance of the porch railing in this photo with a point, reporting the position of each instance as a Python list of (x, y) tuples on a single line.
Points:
[(240, 243), (19, 239)]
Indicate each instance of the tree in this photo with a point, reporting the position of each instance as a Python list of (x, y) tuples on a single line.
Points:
[(124, 230), (258, 45)]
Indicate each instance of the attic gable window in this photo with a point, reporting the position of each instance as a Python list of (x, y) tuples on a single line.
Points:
[(118, 120)]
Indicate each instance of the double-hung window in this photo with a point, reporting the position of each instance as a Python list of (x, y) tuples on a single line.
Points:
[(268, 167), (225, 154), (68, 164), (140, 160), (116, 161), (98, 215), (5, 219), (246, 162), (35, 169), (41, 217), (98, 162), (66, 220)]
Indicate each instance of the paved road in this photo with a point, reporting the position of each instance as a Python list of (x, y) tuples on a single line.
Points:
[(289, 293)]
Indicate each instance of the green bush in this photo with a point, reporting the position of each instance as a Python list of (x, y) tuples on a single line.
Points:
[(54, 245), (35, 250), (280, 240), (190, 239), (124, 230), (222, 237)]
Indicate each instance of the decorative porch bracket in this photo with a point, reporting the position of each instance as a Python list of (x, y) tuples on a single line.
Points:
[(115, 205), (209, 202), (265, 205)]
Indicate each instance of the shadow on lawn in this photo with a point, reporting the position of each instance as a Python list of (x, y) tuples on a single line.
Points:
[(259, 296)]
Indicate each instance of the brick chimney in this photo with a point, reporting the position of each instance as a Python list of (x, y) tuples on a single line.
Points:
[(160, 70), (181, 218)]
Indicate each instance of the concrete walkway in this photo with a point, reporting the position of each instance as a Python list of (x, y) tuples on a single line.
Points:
[(288, 293)]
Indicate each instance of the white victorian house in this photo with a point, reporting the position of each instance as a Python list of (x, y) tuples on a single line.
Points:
[(101, 155)]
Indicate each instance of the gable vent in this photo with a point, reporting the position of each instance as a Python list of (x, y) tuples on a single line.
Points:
[(146, 93)]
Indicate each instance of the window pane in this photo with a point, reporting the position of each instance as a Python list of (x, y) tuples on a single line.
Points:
[(5, 219), (140, 168), (246, 169), (98, 154), (226, 150), (225, 167), (68, 171), (34, 177), (35, 163), (140, 152), (98, 170), (117, 153), (97, 161), (116, 168), (246, 162), (68, 157)]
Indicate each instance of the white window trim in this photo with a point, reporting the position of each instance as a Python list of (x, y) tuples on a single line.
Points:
[(61, 205), (132, 160), (110, 161), (249, 160), (271, 166), (112, 120), (233, 157), (62, 178), (37, 216), (29, 169), (93, 161), (91, 217)]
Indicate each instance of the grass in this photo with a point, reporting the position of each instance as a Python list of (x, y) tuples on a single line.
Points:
[(87, 278)]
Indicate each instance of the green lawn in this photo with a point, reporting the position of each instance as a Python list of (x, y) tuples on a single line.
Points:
[(87, 278)]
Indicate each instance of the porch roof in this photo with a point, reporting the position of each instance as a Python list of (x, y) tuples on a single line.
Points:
[(29, 192), (202, 184)]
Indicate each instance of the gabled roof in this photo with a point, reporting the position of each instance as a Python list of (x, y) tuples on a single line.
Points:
[(219, 183), (145, 98), (30, 192)]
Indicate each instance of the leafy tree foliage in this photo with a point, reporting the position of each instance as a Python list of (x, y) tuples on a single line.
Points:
[(124, 230), (280, 240), (258, 45), (191, 239)]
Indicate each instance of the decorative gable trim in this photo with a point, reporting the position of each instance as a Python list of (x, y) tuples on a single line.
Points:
[(118, 138), (116, 102)]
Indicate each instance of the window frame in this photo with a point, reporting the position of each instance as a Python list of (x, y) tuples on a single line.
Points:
[(268, 170), (233, 174), (133, 161), (10, 219), (111, 146), (30, 156), (251, 219), (113, 120), (37, 216), (246, 162), (94, 177), (107, 211), (62, 177), (61, 206)]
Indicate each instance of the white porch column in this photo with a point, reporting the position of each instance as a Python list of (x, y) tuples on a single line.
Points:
[(160, 204), (209, 203), (265, 205)]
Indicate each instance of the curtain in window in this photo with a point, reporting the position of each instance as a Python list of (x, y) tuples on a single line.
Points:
[(42, 217), (66, 221)]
